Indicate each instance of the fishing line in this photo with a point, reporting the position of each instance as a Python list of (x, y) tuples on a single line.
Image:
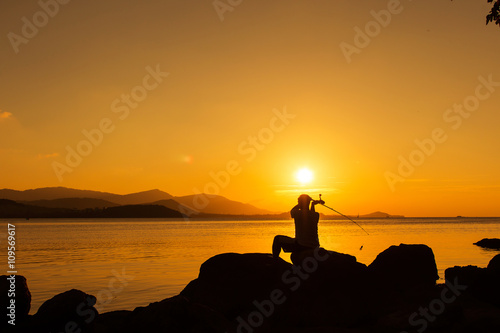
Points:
[(347, 217)]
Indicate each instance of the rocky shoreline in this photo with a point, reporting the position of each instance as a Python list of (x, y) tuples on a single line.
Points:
[(324, 291)]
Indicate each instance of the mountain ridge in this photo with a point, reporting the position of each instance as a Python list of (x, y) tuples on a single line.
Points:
[(52, 193), (191, 205), (216, 204)]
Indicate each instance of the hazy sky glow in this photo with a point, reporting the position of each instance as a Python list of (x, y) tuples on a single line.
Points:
[(184, 97)]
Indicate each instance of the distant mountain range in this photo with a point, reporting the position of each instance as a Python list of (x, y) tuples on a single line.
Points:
[(62, 201), (67, 202), (51, 193)]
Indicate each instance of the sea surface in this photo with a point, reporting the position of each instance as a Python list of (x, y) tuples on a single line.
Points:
[(132, 262)]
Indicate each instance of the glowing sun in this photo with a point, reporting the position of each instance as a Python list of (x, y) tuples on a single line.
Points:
[(304, 176)]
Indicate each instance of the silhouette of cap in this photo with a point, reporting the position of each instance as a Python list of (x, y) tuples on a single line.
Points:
[(304, 198)]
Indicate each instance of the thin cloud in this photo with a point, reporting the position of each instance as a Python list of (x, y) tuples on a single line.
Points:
[(5, 115), (308, 190), (44, 156), (418, 180)]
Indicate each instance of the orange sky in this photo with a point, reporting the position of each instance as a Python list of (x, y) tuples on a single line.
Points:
[(171, 96)]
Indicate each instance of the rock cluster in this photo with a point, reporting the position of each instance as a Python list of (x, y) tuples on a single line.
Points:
[(323, 291)]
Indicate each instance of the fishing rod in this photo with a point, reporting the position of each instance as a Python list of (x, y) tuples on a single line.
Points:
[(321, 202)]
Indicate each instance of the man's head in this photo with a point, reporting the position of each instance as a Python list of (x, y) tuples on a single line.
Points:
[(304, 200)]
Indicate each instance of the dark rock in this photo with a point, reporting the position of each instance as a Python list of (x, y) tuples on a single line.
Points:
[(405, 266), (324, 291), (480, 318), (482, 283), (325, 288), (492, 282), (176, 314), (468, 275), (489, 243), (22, 297), (494, 264), (230, 282), (69, 311), (339, 285), (110, 322), (298, 257)]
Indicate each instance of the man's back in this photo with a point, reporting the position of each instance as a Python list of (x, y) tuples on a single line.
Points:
[(306, 227)]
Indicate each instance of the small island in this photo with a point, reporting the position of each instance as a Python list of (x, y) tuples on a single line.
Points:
[(489, 243)]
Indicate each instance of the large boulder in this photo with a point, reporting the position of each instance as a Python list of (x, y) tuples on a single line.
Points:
[(479, 300), (489, 243), (469, 276), (482, 283), (298, 257), (494, 265), (404, 267), (72, 310), (257, 291), (230, 282), (492, 283), (18, 285), (339, 285)]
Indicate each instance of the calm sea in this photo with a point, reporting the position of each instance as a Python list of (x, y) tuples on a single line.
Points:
[(131, 262)]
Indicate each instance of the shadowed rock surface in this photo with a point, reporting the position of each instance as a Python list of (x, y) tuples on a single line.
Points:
[(482, 283), (69, 311), (494, 264), (405, 266), (22, 298)]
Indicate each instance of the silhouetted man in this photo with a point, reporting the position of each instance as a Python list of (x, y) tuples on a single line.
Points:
[(306, 228)]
